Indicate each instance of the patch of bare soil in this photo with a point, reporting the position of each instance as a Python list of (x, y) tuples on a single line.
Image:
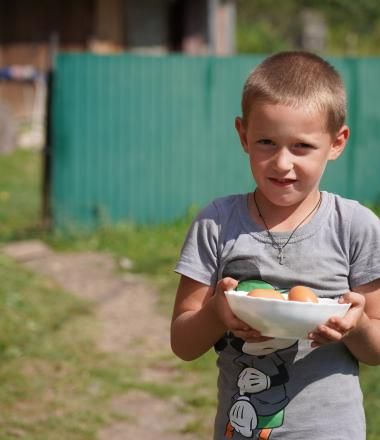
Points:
[(126, 307)]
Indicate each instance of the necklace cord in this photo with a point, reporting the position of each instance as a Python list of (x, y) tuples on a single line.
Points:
[(275, 244)]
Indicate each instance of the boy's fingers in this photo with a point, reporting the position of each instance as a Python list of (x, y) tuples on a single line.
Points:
[(325, 333), (227, 284), (231, 321), (356, 299), (317, 339), (244, 331), (343, 326), (237, 325)]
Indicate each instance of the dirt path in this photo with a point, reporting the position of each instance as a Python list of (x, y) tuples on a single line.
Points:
[(121, 299)]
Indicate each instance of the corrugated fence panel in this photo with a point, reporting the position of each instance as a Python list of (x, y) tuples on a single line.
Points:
[(142, 138)]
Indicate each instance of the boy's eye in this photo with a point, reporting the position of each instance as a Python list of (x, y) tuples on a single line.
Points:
[(265, 142), (303, 145)]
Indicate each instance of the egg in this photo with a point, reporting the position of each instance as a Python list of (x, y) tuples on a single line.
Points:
[(303, 294), (248, 285), (265, 293)]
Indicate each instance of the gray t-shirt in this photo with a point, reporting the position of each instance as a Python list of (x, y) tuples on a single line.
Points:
[(284, 389)]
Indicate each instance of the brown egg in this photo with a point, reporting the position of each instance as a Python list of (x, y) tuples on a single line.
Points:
[(265, 293), (302, 293)]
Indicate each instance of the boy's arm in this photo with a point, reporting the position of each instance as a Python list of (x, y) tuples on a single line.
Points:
[(364, 340), (202, 316), (359, 330)]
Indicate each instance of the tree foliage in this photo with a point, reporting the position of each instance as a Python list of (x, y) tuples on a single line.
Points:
[(352, 27)]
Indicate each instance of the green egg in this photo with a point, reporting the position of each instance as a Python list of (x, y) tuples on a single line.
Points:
[(249, 285)]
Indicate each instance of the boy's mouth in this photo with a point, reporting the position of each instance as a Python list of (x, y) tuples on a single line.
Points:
[(282, 182)]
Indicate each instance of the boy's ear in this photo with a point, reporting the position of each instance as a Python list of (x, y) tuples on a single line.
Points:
[(339, 142), (242, 132)]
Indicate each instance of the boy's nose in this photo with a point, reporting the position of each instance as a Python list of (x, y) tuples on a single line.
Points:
[(283, 160)]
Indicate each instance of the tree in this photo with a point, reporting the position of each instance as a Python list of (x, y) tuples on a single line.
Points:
[(352, 27)]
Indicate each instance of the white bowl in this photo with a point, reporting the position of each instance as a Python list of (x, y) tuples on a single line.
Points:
[(283, 319)]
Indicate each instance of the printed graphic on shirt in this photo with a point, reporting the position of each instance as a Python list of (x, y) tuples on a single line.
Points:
[(260, 401), (242, 269)]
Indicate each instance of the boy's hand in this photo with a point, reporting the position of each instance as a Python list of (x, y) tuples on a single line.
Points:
[(335, 329), (234, 324)]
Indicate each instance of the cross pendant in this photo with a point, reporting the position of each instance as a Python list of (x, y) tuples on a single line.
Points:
[(281, 256)]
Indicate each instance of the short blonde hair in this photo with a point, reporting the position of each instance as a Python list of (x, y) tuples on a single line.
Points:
[(298, 79)]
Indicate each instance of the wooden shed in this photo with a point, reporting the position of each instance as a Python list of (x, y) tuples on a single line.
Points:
[(32, 30)]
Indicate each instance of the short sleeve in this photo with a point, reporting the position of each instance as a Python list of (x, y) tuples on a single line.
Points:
[(199, 255), (364, 247)]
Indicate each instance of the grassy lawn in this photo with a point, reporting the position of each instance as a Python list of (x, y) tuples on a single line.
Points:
[(55, 384), (19, 194), (51, 388)]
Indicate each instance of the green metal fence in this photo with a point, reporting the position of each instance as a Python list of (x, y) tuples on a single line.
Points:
[(141, 139)]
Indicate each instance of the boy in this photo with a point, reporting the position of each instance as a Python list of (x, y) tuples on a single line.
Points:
[(287, 232)]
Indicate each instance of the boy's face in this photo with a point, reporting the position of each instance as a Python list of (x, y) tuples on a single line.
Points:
[(288, 150)]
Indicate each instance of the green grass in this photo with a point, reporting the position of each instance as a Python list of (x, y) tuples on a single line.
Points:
[(152, 249), (375, 208), (50, 379), (55, 384), (370, 381), (19, 194)]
